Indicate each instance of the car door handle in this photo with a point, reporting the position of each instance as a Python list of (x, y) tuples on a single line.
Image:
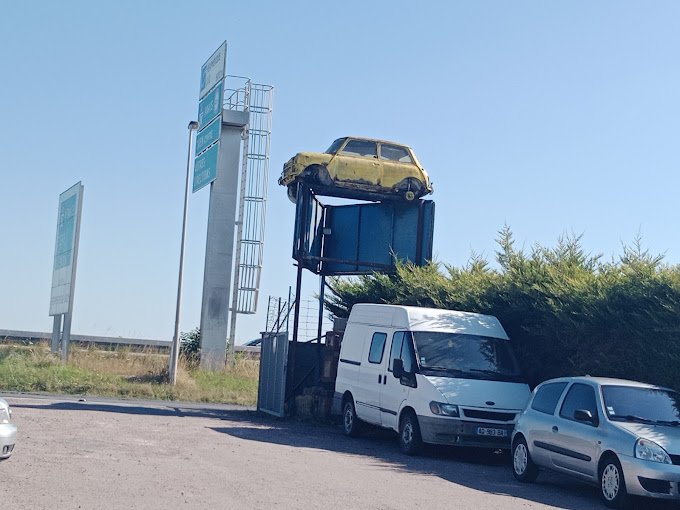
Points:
[(555, 429), (379, 379)]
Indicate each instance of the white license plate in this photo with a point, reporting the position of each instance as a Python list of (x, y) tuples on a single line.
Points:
[(484, 431)]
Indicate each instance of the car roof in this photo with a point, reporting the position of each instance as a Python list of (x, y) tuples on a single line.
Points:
[(605, 381), (374, 140)]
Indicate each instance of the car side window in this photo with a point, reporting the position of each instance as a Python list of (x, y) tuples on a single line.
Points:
[(394, 153), (547, 396), (395, 351), (408, 354), (580, 396), (375, 353), (361, 148)]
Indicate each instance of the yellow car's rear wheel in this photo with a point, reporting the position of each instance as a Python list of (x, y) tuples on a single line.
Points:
[(410, 189)]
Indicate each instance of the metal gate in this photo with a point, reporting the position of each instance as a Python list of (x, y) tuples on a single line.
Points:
[(271, 393)]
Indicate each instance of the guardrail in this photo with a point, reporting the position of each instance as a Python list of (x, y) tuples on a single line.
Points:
[(8, 335)]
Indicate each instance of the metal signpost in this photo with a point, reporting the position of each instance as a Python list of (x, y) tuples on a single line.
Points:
[(218, 145), (64, 268), (224, 128)]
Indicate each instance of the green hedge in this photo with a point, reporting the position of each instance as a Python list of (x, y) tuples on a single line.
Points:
[(567, 312)]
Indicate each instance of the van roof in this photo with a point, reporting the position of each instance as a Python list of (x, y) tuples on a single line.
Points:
[(417, 318)]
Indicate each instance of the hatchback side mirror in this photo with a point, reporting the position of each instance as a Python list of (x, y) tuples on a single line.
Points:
[(586, 416)]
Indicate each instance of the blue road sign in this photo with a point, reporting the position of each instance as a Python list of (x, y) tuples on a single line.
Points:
[(205, 167), (213, 70), (209, 135), (210, 107)]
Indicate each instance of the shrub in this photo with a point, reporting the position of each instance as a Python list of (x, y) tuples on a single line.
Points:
[(190, 346), (567, 312)]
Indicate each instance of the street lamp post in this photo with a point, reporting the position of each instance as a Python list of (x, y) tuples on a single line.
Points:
[(174, 353)]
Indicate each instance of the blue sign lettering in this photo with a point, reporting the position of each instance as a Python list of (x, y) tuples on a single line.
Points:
[(205, 167)]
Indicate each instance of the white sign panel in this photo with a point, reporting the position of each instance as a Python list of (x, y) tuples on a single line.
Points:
[(212, 71), (66, 249)]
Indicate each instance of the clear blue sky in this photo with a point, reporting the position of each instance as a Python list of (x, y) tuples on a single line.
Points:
[(550, 117)]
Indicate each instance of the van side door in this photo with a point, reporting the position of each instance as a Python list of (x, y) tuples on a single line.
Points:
[(395, 391), (367, 398)]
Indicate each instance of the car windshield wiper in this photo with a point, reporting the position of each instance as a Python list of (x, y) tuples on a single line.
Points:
[(501, 375), (443, 369), (492, 372), (672, 423), (631, 417)]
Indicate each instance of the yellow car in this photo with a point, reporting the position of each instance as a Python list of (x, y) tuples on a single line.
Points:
[(359, 168)]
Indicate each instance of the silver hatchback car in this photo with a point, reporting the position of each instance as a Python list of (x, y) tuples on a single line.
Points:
[(8, 431), (623, 436)]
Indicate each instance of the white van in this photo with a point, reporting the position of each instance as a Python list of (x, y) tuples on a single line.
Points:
[(434, 376)]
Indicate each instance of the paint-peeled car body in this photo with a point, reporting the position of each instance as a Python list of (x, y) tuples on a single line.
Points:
[(360, 168)]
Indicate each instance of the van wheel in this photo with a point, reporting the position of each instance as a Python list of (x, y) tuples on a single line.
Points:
[(350, 423), (523, 467), (410, 440)]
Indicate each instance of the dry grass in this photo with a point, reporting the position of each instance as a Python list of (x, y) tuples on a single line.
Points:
[(123, 373)]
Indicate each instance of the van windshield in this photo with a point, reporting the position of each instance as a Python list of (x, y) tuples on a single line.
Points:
[(469, 356)]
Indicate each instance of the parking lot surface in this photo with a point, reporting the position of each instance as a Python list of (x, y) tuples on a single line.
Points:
[(112, 454)]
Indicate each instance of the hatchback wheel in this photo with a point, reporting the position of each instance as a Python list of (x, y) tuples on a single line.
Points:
[(612, 484), (523, 467)]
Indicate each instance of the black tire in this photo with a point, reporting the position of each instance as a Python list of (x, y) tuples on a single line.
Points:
[(523, 467), (292, 192), (322, 176), (612, 484), (410, 440), (350, 422), (410, 189)]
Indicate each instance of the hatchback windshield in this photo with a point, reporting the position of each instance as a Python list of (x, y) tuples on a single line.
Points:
[(471, 356), (652, 405)]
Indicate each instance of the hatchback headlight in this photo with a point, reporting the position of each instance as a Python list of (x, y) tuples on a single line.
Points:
[(4, 415), (444, 409), (649, 450)]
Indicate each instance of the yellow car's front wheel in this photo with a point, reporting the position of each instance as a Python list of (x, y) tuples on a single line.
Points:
[(292, 192)]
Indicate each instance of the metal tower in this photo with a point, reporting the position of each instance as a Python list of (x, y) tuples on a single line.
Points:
[(257, 100)]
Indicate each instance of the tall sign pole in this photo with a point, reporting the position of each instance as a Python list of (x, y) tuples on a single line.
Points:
[(218, 146), (174, 353), (64, 267)]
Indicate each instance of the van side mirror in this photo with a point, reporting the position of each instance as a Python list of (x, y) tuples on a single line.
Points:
[(586, 416), (398, 368), (406, 378)]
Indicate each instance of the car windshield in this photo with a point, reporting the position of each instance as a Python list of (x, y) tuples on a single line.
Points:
[(335, 146), (653, 405), (470, 356)]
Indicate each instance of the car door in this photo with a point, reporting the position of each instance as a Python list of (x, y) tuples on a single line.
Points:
[(367, 399), (576, 444), (397, 165), (356, 162), (539, 420), (395, 391)]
